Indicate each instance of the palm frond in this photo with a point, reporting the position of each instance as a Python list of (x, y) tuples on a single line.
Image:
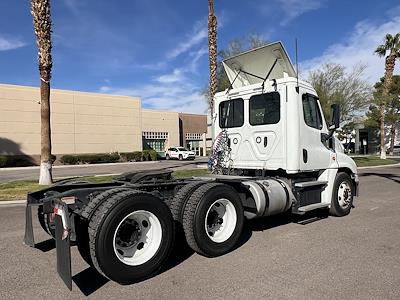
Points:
[(381, 50), (40, 10)]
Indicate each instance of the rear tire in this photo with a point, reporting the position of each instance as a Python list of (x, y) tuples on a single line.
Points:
[(213, 219), (131, 236), (342, 195), (181, 198)]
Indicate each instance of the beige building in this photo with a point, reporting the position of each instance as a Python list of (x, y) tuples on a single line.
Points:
[(160, 129), (87, 123)]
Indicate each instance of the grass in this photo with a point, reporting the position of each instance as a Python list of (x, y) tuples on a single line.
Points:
[(16, 190), (190, 173), (368, 161)]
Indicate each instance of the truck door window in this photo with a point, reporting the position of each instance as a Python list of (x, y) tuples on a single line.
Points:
[(231, 113), (265, 109), (312, 115)]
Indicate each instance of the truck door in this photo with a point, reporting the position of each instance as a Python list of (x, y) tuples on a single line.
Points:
[(255, 142), (266, 139), (314, 154)]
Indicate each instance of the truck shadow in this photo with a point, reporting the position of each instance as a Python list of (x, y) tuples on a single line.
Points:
[(89, 280), (265, 223), (393, 177)]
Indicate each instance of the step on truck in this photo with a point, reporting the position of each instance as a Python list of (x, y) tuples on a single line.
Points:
[(273, 152)]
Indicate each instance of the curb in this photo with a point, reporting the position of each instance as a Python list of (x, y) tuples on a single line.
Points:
[(12, 202), (376, 167), (80, 166)]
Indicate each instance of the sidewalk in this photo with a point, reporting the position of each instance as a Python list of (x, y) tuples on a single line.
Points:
[(25, 173), (79, 166)]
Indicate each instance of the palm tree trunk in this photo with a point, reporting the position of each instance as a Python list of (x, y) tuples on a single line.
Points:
[(45, 135), (392, 138), (382, 132), (389, 68), (212, 53)]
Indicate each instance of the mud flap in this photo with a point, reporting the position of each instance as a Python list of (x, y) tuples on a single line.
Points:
[(29, 237), (63, 246)]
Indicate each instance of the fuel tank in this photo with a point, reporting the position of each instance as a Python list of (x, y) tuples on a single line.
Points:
[(271, 196)]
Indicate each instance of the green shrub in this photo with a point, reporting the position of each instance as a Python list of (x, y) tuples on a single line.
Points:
[(90, 158), (153, 155), (146, 155), (137, 155), (98, 158), (3, 161), (131, 156), (125, 156), (69, 159)]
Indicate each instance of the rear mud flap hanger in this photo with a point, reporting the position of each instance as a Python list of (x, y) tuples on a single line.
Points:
[(62, 236)]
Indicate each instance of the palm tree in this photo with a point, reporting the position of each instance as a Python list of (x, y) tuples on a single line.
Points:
[(40, 10), (212, 53), (391, 46)]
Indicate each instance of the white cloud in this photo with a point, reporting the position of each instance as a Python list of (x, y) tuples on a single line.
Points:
[(294, 8), (73, 5), (195, 57), (173, 91), (178, 90), (175, 76), (10, 43), (358, 48), (199, 34), (179, 97)]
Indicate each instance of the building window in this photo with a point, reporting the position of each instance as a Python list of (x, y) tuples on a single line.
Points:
[(154, 140), (155, 135), (194, 136), (154, 144)]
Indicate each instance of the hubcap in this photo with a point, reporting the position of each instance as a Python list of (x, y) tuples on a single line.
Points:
[(344, 194), (137, 238), (220, 221)]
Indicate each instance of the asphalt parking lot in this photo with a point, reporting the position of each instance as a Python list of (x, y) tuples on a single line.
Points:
[(355, 257)]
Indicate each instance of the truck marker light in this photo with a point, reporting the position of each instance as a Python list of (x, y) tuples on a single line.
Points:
[(58, 210), (68, 200)]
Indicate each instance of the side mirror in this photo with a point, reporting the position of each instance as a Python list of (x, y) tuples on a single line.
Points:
[(335, 113)]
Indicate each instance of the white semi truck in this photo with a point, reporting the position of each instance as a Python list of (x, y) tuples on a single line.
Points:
[(273, 152)]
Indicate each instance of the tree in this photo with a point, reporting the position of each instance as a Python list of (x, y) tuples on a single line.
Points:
[(391, 45), (347, 133), (334, 84), (40, 10), (392, 109), (212, 53)]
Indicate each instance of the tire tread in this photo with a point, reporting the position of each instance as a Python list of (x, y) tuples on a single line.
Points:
[(182, 196), (110, 198), (189, 214)]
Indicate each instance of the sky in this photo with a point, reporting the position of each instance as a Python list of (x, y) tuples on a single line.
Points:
[(157, 50)]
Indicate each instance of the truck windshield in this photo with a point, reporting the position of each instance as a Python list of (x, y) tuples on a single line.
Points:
[(231, 113)]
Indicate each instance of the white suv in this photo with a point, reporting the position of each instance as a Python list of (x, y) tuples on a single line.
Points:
[(179, 153)]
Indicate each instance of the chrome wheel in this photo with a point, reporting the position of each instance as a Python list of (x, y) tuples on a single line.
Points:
[(344, 194), (220, 221), (137, 238)]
